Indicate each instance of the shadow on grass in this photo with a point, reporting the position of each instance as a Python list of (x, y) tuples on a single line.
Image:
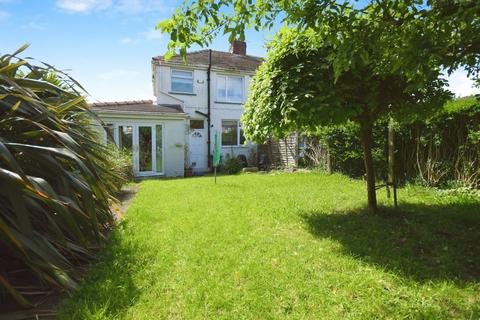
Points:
[(417, 242), (108, 289)]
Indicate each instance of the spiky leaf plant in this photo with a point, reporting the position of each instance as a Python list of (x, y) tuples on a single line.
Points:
[(55, 186)]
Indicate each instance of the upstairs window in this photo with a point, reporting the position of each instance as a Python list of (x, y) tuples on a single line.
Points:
[(182, 81), (230, 89)]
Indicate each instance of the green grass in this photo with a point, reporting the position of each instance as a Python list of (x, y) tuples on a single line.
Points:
[(293, 246)]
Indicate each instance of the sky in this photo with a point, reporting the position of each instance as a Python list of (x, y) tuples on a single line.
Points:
[(107, 45)]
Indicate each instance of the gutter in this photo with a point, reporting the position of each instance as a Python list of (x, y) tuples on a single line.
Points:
[(139, 114), (209, 160)]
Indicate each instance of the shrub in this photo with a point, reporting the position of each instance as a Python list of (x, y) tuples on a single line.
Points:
[(232, 165), (442, 148), (121, 163), (55, 210)]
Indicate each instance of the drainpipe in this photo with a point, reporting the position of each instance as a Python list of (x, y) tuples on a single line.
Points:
[(209, 161)]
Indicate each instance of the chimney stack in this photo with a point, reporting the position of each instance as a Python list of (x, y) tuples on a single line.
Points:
[(238, 47)]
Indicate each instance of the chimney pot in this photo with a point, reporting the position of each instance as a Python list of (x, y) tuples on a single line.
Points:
[(238, 47)]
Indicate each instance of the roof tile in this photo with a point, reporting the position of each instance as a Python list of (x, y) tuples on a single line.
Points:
[(220, 59)]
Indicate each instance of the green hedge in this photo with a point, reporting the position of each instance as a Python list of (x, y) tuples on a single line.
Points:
[(437, 151)]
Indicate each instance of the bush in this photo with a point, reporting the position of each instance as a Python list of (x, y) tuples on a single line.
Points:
[(232, 165), (121, 164), (55, 209), (436, 151)]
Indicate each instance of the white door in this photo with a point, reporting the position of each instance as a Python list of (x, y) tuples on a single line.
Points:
[(198, 145), (148, 152)]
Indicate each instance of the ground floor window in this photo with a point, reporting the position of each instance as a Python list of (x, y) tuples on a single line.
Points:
[(109, 130), (196, 124), (125, 138), (232, 133)]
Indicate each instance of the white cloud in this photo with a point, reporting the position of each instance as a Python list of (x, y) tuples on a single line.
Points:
[(123, 6), (140, 6), (36, 23), (128, 40), (152, 34), (81, 6), (148, 35), (118, 73), (461, 85)]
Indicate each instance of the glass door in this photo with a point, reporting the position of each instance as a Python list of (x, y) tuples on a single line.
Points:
[(159, 149), (145, 149)]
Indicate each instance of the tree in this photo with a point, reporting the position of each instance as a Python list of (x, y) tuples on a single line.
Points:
[(297, 89), (455, 27), (355, 63)]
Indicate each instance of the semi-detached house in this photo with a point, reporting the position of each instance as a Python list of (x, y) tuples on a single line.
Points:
[(194, 101)]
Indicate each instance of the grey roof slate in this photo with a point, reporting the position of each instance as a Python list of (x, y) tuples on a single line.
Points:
[(220, 59), (137, 106)]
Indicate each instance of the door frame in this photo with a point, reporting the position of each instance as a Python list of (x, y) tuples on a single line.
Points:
[(135, 145), (152, 149)]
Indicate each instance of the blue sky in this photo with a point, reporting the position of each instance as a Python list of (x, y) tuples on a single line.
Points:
[(107, 44)]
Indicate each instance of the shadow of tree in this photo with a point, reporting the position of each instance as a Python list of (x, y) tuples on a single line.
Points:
[(418, 242), (108, 289)]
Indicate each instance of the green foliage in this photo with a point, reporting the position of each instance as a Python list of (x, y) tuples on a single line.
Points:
[(232, 165), (310, 79), (299, 87), (121, 163), (345, 149), (441, 32), (285, 246), (454, 26), (54, 176), (437, 151)]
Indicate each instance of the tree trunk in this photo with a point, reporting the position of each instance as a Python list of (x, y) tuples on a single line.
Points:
[(392, 181), (366, 138)]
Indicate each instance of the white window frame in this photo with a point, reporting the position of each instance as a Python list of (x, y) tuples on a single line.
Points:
[(239, 126), (181, 77), (226, 77)]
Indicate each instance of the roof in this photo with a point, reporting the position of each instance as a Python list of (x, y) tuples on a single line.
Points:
[(220, 59), (143, 106)]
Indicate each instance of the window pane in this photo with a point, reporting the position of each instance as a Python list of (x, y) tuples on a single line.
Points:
[(109, 131), (242, 137), (234, 89), (125, 138), (159, 151), (229, 133), (145, 148), (182, 85), (221, 89), (196, 124), (183, 74)]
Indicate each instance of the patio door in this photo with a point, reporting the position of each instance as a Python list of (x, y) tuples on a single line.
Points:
[(145, 149), (148, 153), (144, 142)]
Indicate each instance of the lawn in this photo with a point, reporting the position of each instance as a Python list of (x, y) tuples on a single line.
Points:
[(293, 246)]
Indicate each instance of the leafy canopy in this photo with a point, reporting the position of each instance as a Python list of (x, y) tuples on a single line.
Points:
[(445, 32), (298, 86)]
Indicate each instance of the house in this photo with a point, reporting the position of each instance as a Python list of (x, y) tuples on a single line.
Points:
[(195, 101)]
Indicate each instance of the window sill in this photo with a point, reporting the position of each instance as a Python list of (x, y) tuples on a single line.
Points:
[(226, 102), (182, 93), (236, 146)]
